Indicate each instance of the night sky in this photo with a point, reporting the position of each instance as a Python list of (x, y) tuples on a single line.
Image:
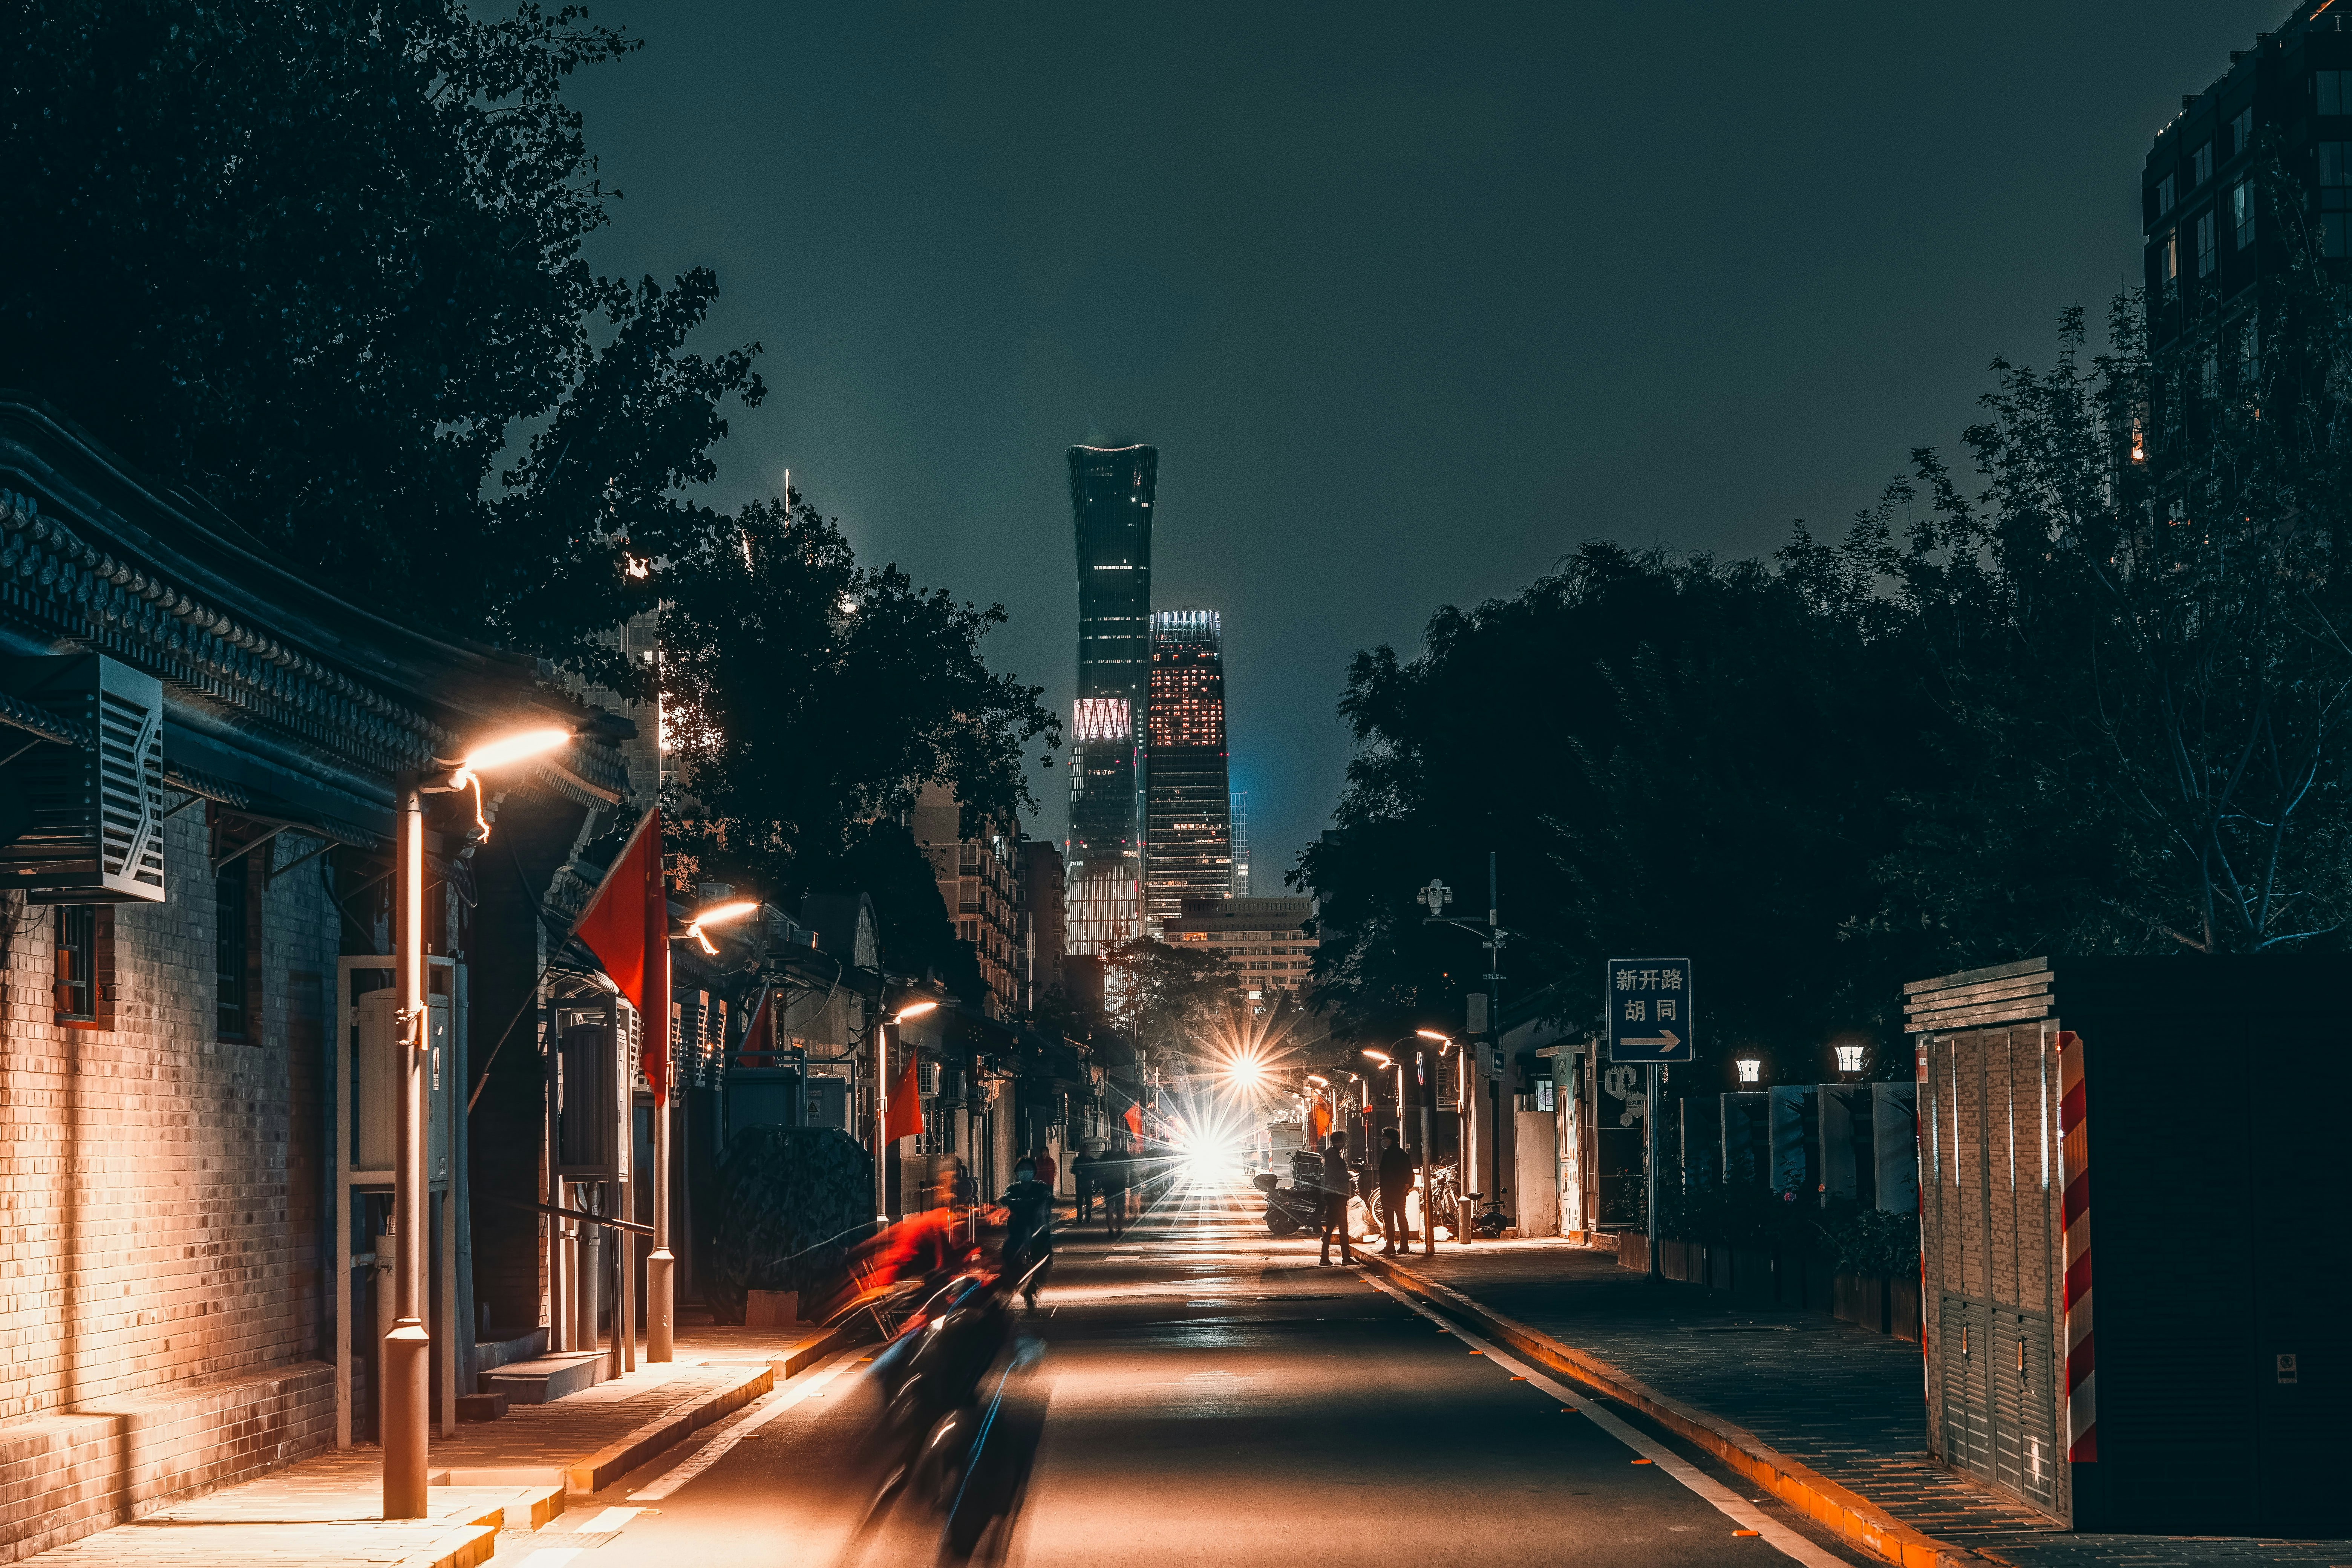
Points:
[(1411, 302)]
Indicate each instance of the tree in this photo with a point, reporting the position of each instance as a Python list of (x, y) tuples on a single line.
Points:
[(322, 264), (1166, 997), (808, 699), (1669, 755), (2163, 695)]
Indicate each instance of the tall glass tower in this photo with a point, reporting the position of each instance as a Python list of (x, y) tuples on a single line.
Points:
[(1187, 823), (1111, 501)]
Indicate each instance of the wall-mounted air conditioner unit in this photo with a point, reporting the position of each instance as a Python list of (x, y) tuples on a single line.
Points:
[(88, 823)]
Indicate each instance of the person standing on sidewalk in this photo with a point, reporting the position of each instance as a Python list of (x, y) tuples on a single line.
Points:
[(1338, 1181), (1047, 1170), (1395, 1177), (1113, 1174), (1083, 1167)]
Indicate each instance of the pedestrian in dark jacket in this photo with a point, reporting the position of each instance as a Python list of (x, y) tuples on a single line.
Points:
[(1083, 1171), (1338, 1183), (1395, 1177)]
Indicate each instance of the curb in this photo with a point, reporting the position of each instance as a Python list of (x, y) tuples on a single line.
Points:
[(1849, 1513), (467, 1547), (616, 1459)]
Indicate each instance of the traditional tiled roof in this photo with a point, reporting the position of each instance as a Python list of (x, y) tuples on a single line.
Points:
[(281, 696)]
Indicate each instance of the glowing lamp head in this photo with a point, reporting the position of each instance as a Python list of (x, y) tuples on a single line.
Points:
[(1751, 1070), (1849, 1058), (1317, 1077), (912, 1010), (1380, 1057), (1434, 1035), (718, 914), (513, 748)]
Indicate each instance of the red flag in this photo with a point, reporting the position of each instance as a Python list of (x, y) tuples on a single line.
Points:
[(626, 926), (903, 1116), (1319, 1124), (1135, 1121)]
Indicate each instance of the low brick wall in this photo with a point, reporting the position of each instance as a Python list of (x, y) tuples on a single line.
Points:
[(68, 1476)]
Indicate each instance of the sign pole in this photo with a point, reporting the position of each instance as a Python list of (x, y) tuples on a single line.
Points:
[(1650, 1128), (661, 1264)]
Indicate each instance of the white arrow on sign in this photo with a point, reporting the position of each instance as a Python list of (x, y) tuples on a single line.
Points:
[(1666, 1037)]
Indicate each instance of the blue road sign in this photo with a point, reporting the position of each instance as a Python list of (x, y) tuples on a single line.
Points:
[(1650, 1017)]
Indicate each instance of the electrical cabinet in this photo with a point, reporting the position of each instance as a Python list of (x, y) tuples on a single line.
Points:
[(376, 1085)]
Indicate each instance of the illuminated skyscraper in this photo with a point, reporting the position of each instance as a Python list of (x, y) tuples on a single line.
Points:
[(1188, 844), (1240, 844), (1111, 501)]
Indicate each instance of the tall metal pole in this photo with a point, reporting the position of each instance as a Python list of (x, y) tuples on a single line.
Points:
[(1428, 1207), (882, 1032), (1650, 1163), (661, 1264), (1495, 1022), (407, 1346)]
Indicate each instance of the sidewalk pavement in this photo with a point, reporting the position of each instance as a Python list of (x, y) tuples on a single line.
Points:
[(1829, 1416), (505, 1478)]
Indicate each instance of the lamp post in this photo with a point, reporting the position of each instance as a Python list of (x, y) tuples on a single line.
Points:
[(661, 1264), (883, 1034), (408, 1345), (1428, 1196)]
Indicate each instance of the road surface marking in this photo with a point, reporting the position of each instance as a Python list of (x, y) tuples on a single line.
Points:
[(717, 1449), (603, 1523), (553, 1556), (1739, 1509)]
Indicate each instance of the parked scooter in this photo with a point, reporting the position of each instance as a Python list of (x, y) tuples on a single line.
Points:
[(1298, 1206)]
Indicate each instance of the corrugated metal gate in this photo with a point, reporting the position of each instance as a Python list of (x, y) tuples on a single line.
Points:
[(1989, 1212)]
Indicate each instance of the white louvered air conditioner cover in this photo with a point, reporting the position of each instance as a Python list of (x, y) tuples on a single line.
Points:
[(91, 819)]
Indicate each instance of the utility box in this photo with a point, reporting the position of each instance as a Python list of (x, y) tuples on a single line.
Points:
[(1848, 1139), (2206, 1396), (376, 1085), (1895, 1146), (85, 824), (595, 1055), (1796, 1149), (825, 1102), (1702, 1140), (1746, 1136)]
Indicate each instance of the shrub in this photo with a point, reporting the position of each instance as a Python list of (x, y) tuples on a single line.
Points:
[(792, 1201)]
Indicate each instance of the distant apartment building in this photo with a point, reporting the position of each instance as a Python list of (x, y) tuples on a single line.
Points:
[(1188, 844), (2215, 230), (1111, 491), (1041, 920), (1264, 940), (975, 864)]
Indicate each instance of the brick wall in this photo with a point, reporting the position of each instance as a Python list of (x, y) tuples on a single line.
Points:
[(162, 1283)]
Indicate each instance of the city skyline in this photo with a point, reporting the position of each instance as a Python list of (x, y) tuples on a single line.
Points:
[(1111, 492), (1188, 838)]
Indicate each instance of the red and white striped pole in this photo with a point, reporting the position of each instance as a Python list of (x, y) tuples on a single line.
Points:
[(2075, 1168)]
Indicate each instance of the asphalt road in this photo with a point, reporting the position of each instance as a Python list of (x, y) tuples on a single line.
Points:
[(1211, 1395)]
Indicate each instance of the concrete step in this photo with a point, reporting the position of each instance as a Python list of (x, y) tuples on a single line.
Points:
[(542, 1380)]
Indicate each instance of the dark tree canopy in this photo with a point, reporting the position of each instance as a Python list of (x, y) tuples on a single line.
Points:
[(808, 700), (321, 264), (2098, 707)]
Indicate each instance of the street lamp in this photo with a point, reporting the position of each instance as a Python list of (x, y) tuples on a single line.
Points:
[(717, 914), (408, 1346), (1751, 1070), (882, 1038), (1849, 1058), (1428, 1194)]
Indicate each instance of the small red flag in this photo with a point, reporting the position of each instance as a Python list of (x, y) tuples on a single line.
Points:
[(1135, 1121), (903, 1116), (626, 926)]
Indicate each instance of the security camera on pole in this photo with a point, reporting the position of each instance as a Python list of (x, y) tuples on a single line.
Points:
[(1435, 897)]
